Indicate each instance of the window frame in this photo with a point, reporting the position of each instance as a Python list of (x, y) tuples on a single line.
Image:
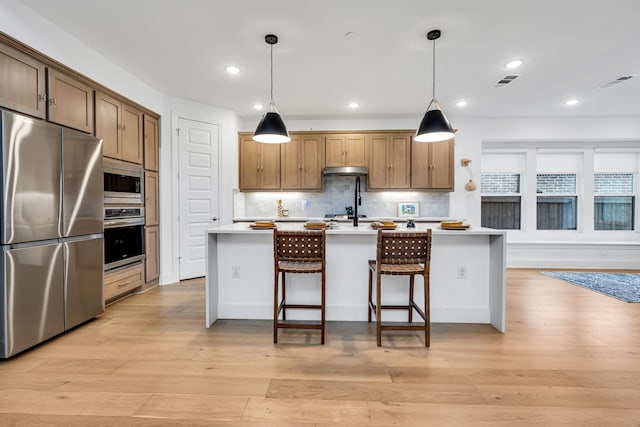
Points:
[(519, 195)]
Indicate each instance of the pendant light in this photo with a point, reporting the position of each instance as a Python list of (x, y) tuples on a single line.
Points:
[(271, 129), (434, 126)]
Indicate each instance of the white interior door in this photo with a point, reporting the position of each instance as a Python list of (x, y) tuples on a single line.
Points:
[(198, 182)]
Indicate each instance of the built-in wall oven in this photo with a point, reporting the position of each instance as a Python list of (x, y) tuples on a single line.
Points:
[(123, 183), (123, 236)]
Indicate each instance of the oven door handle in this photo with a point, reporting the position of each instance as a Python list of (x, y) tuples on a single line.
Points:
[(123, 222)]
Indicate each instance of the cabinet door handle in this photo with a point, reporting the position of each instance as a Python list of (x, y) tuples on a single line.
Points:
[(215, 218), (52, 101), (42, 97)]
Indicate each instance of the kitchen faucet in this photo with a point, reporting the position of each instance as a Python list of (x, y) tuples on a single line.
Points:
[(357, 201)]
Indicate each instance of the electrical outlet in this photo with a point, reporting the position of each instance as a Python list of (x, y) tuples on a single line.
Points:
[(235, 272), (462, 272)]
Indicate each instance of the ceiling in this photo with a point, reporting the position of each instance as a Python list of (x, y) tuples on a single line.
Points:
[(570, 48)]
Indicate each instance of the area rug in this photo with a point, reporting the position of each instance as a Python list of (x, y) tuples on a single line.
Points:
[(623, 286)]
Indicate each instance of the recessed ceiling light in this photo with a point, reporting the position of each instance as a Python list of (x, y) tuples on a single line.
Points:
[(461, 103), (258, 106), (354, 104), (232, 69), (571, 102), (514, 64)]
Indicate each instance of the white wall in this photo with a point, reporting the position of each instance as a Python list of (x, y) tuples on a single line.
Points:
[(25, 25), (472, 134), (228, 124)]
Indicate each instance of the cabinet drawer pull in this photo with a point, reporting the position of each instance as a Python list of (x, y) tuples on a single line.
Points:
[(124, 283)]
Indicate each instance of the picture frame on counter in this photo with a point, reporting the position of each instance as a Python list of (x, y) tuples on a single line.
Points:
[(408, 209)]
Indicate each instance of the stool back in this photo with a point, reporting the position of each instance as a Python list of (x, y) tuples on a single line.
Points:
[(404, 248), (299, 246)]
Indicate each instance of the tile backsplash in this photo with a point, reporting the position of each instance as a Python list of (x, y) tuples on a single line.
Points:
[(338, 193)]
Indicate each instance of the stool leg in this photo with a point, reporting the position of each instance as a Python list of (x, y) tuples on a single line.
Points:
[(427, 312), (378, 310), (275, 307), (284, 296), (411, 283), (322, 308), (370, 300)]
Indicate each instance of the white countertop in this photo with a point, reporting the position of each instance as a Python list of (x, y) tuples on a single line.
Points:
[(341, 220), (346, 228)]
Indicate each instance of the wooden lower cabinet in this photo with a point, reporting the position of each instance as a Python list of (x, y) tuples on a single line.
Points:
[(151, 202), (152, 257), (123, 281)]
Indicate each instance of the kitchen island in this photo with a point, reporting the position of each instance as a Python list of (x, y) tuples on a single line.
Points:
[(467, 275)]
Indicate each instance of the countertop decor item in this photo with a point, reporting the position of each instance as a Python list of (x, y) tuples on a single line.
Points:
[(271, 129), (434, 127), (261, 225), (280, 210), (408, 209), (454, 225)]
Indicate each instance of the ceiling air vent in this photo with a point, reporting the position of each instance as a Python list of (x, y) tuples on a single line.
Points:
[(505, 80), (617, 81)]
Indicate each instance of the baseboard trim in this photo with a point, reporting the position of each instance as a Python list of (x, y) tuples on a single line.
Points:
[(590, 255)]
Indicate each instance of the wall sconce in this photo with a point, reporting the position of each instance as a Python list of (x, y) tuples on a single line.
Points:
[(470, 185)]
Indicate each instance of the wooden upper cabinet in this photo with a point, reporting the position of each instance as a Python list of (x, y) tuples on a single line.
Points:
[(259, 165), (108, 122), (432, 165), (388, 161), (151, 143), (345, 150), (22, 82), (131, 134), (151, 202), (302, 161), (120, 126), (70, 101)]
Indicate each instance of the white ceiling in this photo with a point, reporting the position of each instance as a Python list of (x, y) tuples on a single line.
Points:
[(570, 48)]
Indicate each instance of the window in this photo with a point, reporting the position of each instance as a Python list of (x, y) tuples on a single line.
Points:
[(614, 202), (501, 200), (556, 202)]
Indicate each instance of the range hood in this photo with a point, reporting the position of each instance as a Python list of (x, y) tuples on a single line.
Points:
[(346, 170)]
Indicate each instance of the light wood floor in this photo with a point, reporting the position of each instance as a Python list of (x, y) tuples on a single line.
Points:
[(570, 357)]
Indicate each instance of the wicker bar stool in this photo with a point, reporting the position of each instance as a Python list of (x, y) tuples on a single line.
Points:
[(401, 254), (300, 252)]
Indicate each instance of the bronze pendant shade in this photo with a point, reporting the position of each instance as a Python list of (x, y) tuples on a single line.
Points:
[(271, 129), (434, 126)]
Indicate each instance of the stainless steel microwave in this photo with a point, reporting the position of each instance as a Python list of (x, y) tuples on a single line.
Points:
[(123, 183)]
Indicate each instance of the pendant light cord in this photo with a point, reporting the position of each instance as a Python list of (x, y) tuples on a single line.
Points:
[(271, 74), (433, 89)]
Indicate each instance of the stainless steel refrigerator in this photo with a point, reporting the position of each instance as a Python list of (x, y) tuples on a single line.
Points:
[(51, 231)]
